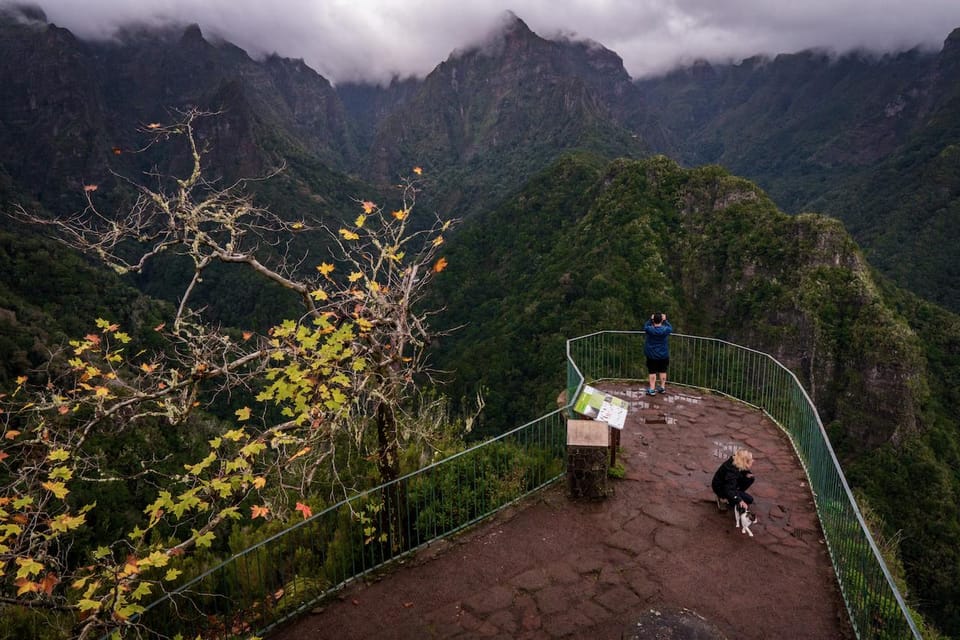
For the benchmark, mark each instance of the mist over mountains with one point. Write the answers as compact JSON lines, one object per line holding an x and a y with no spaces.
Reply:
{"x":588,"y":197}
{"x":817,"y":132}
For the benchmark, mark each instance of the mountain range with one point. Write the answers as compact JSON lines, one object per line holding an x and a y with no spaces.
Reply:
{"x":588,"y":199}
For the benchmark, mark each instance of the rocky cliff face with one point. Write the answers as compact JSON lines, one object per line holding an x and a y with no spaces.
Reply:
{"x":495,"y":113}
{"x":72,"y":109}
{"x":52,"y":126}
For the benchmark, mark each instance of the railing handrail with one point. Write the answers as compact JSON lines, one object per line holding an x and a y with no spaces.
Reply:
{"x":861,"y":522}
{"x":576,"y":379}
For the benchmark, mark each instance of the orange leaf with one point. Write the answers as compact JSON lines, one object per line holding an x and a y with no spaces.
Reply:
{"x":4,"y":455}
{"x":48,"y":583}
{"x":95,"y":339}
{"x":131,"y":567}
{"x":247,"y":335}
{"x":368,"y":206}
{"x":63,"y":410}
{"x":304,"y":509}
{"x":440,"y":265}
{"x":258,"y":512}
{"x":153,"y":125}
{"x":25,"y":586}
{"x":407,"y":605}
{"x":11,"y":434}
{"x":90,"y":187}
{"x":400,"y":214}
{"x":160,"y":326}
{"x":418,"y":170}
{"x":147,"y":368}
{"x":117,"y":151}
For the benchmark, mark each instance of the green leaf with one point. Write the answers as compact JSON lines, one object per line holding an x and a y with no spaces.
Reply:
{"x":86,"y":604}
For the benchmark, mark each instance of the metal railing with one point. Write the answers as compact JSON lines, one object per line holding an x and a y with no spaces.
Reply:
{"x":288,"y":573}
{"x":875,"y":606}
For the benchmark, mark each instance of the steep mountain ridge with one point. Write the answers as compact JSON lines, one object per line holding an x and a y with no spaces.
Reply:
{"x":711,"y":250}
{"x":492,"y":115}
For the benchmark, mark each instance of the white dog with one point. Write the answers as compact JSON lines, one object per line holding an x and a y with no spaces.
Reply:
{"x":744,"y":519}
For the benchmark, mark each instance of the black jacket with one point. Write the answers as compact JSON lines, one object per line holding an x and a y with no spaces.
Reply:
{"x":726,"y":481}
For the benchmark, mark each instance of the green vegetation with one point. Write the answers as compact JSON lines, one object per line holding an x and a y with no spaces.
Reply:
{"x":596,"y":247}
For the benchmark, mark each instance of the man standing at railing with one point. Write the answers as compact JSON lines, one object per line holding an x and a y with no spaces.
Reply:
{"x":657,"y":350}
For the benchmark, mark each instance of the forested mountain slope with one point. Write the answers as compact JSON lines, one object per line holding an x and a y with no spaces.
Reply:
{"x":589,"y":246}
{"x":869,"y":140}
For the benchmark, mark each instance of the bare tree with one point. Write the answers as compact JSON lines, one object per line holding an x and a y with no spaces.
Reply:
{"x":340,"y":374}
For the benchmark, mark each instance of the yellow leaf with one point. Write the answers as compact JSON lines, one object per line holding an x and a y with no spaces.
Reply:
{"x":21,"y":380}
{"x":356,"y":275}
{"x":438,"y":241}
{"x":319,"y":294}
{"x":101,"y":392}
{"x":155,"y":559}
{"x":172,"y":574}
{"x":400,"y":214}
{"x":325,"y":269}
{"x":296,"y":226}
{"x":28,"y":567}
{"x":349,"y":235}
{"x":56,"y":488}
{"x":243,"y":414}
{"x":368,"y":206}
{"x":359,"y":221}
{"x":235,"y":435}
{"x":58,"y":455}
{"x":259,"y":482}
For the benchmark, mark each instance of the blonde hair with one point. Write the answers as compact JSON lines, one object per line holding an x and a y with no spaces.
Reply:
{"x":742,"y":459}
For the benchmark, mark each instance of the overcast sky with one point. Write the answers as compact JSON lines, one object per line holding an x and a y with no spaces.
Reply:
{"x":375,"y":39}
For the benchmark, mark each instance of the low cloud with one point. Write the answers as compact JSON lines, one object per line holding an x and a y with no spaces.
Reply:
{"x":374,"y":40}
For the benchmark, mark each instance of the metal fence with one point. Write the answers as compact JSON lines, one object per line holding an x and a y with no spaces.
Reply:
{"x":265,"y":585}
{"x":876,"y":608}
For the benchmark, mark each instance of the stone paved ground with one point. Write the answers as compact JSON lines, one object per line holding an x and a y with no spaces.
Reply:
{"x":654,"y":560}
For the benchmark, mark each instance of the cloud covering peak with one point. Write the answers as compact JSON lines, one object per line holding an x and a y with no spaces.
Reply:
{"x":375,"y":40}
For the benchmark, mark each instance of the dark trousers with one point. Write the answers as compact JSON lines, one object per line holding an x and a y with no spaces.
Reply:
{"x":743,"y":484}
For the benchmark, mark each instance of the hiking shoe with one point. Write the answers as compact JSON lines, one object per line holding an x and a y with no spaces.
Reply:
{"x":661,"y":389}
{"x":651,"y":392}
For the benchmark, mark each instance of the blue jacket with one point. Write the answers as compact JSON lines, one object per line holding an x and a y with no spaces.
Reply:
{"x":656,"y":346}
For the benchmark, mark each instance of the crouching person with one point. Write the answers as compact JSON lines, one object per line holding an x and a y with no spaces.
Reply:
{"x":733,"y":478}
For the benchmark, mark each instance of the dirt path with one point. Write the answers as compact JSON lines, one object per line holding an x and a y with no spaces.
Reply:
{"x":655,"y":560}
